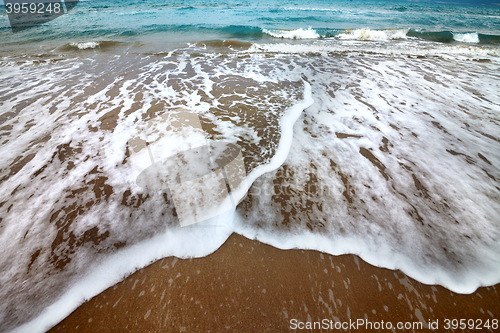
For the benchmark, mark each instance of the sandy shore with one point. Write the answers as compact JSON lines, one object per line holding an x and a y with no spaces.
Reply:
{"x":247,"y":286}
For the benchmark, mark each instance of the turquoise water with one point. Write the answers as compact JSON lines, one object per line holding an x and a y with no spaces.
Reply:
{"x":172,"y":21}
{"x":366,"y":127}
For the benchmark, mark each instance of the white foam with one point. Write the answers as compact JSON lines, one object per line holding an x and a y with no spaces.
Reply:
{"x":85,"y":45}
{"x":293,"y":34}
{"x":399,"y":91}
{"x":374,"y":35}
{"x":187,"y":242}
{"x":286,"y":125}
{"x":472,"y":37}
{"x":192,"y":241}
{"x":354,"y":46}
{"x":392,"y":100}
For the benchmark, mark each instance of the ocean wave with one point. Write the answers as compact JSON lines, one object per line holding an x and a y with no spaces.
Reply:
{"x":85,"y":45}
{"x":293,"y":34}
{"x":400,"y":8}
{"x":435,"y":36}
{"x":334,"y":10}
{"x":489,"y":39}
{"x":367,"y":34}
{"x":467,"y":38}
{"x":374,"y":35}
{"x":246,"y":96}
{"x":408,"y":48}
{"x":90,"y":45}
{"x":230,"y":44}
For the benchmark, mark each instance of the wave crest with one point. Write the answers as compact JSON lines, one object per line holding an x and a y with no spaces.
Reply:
{"x":467,"y":37}
{"x":90,"y":45}
{"x":374,"y":35}
{"x":293,"y":34}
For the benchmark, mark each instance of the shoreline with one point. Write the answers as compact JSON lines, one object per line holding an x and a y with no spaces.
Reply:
{"x":397,"y":160}
{"x":249,"y":286}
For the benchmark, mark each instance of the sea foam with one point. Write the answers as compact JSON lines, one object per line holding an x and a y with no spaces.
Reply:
{"x":363,"y":178}
{"x":365,"y":140}
{"x":309,"y":33}
{"x":466,"y":38}
{"x":374,"y":35}
{"x":354,"y":46}
{"x":85,"y":45}
{"x":197,"y":240}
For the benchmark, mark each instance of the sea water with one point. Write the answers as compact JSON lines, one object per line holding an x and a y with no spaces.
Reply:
{"x":366,"y":127}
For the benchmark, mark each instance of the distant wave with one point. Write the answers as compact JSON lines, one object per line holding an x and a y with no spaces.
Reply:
{"x":90,"y":45}
{"x":85,"y":45}
{"x":88,"y":39}
{"x":239,"y":38}
{"x":293,"y":34}
{"x":368,"y":34}
{"x":338,"y":46}
{"x":450,"y":37}
{"x":467,"y":38}
{"x":435,"y":36}
{"x":334,"y":10}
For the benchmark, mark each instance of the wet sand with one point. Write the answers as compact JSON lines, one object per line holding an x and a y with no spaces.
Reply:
{"x":248,"y":286}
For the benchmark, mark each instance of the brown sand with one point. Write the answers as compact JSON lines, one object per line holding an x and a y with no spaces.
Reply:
{"x":247,"y":286}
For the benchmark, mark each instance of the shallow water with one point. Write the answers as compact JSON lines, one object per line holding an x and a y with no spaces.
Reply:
{"x":383,"y":143}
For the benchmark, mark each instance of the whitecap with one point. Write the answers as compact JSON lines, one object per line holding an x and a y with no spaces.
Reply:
{"x":472,"y":37}
{"x":293,"y":34}
{"x":368,"y":34}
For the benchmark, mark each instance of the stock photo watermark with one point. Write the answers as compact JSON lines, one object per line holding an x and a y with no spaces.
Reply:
{"x":25,"y":14}
{"x":365,"y":324}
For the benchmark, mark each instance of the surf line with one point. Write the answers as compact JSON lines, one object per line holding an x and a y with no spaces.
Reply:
{"x":117,"y":266}
{"x":286,"y":124}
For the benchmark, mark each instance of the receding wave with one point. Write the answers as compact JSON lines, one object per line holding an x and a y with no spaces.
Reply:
{"x":231,"y":44}
{"x":89,"y":45}
{"x":372,"y":170}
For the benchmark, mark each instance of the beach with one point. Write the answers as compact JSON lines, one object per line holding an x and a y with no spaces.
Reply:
{"x":250,"y":166}
{"x":247,"y":286}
